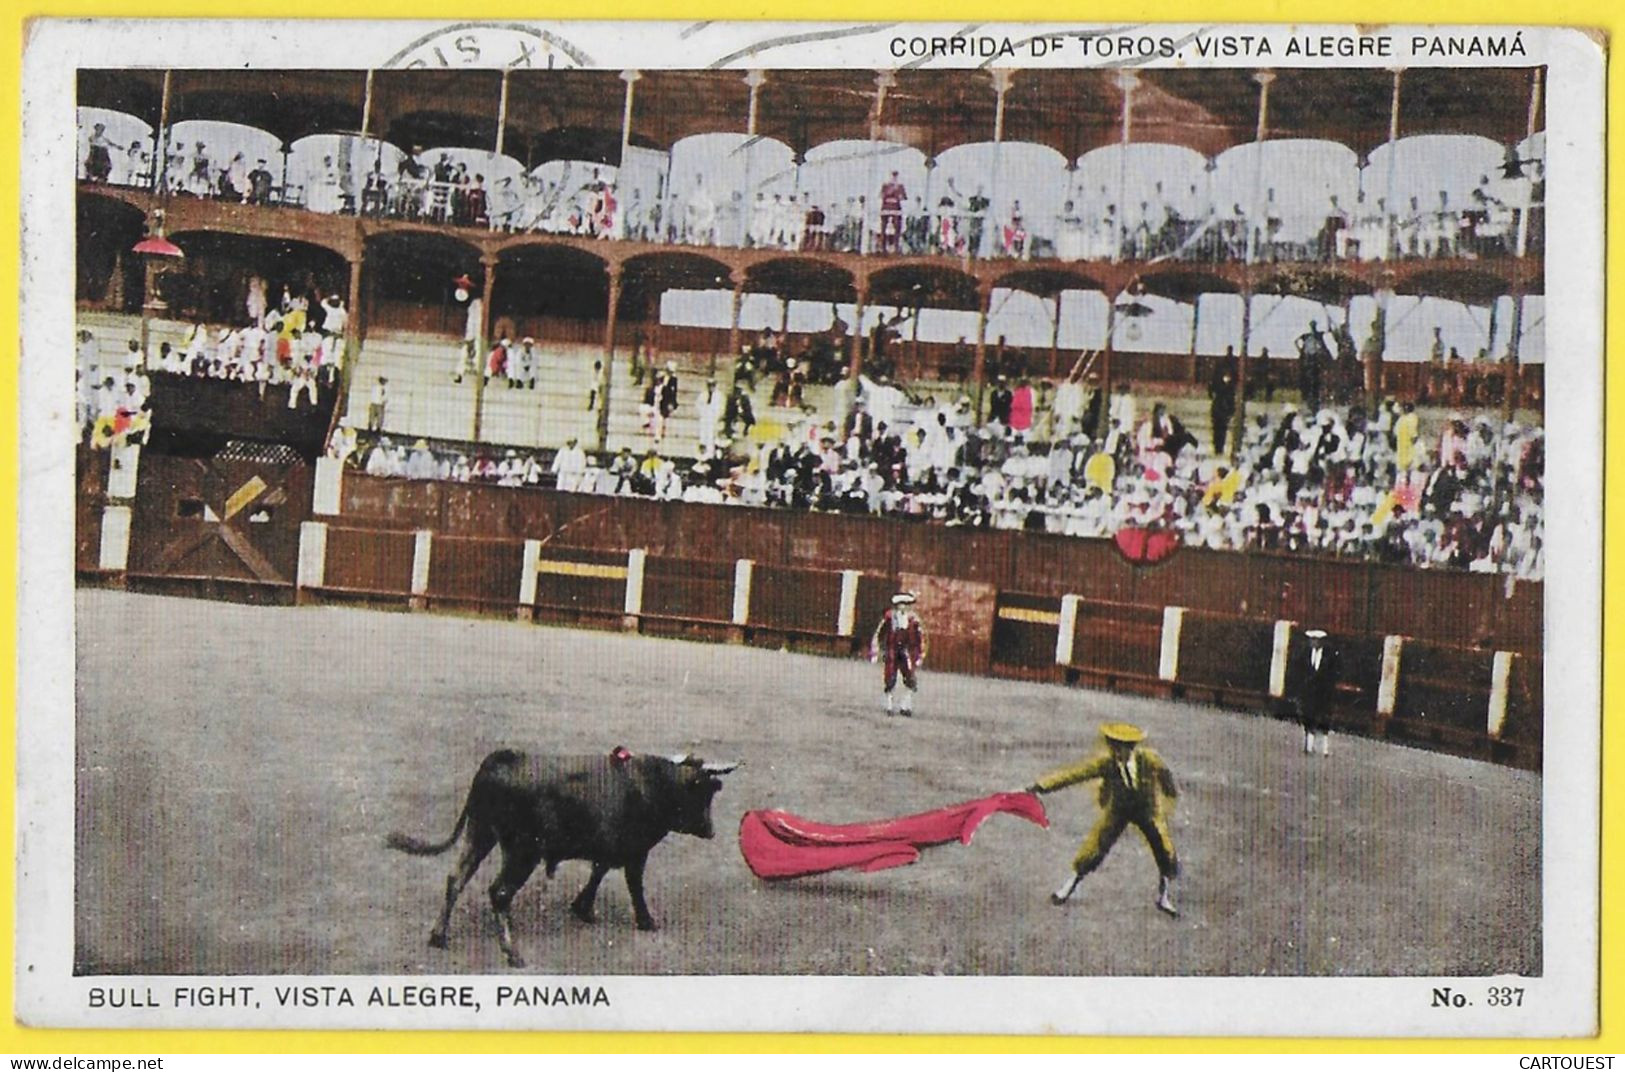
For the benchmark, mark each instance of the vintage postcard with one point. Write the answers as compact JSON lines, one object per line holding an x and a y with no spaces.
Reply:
{"x":1018,"y":529}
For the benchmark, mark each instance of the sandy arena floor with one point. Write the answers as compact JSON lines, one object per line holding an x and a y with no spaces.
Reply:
{"x":239,"y":767}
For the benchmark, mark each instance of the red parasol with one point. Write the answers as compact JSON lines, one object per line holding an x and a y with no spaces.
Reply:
{"x":158,"y":246}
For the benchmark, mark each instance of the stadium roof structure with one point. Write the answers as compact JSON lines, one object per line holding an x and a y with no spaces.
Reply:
{"x":576,"y":114}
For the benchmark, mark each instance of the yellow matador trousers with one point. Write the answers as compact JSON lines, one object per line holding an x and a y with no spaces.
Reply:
{"x":1113,"y":821}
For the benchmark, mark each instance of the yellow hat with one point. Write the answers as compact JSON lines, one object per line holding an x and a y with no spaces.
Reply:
{"x":1122,"y":733}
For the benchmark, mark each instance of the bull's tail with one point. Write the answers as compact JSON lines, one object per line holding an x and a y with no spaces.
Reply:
{"x":417,"y":847}
{"x":403,"y":843}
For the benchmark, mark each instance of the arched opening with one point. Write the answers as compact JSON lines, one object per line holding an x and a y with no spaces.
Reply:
{"x":553,"y":292}
{"x":801,"y":279}
{"x":599,"y":145}
{"x":915,"y":320}
{"x":215,"y":282}
{"x":108,"y":275}
{"x":410,"y":279}
{"x":677,"y":303}
{"x":1048,"y":282}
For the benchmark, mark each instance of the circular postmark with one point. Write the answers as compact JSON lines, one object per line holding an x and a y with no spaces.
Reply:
{"x":489,"y":45}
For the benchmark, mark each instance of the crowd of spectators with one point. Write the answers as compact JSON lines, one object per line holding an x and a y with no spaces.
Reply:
{"x":1339,"y":481}
{"x":110,"y":399}
{"x":1152,"y":223}
{"x":297,"y":342}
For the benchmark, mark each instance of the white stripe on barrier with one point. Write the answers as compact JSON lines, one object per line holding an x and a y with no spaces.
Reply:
{"x":123,"y":462}
{"x":1393,"y":649}
{"x":743,"y":570}
{"x":1500,"y":676}
{"x":1173,"y":621}
{"x":527,"y":572}
{"x":115,"y":552}
{"x":312,"y":555}
{"x":329,"y":486}
{"x":634,"y":581}
{"x":1279,"y":648}
{"x":846,"y":617}
{"x":421,"y":550}
{"x":1067,"y":633}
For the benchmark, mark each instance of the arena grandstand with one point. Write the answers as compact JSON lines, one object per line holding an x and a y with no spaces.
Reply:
{"x":1282,"y":327}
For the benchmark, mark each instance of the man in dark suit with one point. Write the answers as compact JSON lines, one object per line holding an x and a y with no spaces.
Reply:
{"x":1221,"y":393}
{"x":1314,"y":688}
{"x":861,"y":423}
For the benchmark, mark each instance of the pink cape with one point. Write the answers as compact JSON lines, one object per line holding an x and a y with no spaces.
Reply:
{"x":776,"y":844}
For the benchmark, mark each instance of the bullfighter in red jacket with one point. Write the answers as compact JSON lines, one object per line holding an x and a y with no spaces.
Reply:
{"x":900,"y":640}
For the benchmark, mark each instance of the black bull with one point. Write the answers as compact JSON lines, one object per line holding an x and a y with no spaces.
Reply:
{"x":610,"y":810}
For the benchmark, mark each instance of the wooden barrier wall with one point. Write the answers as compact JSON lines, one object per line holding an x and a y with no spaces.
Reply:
{"x":1448,"y":660}
{"x":1446,"y":607}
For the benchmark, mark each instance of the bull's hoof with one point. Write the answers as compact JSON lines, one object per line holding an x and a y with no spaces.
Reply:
{"x":647,"y":924}
{"x":583,"y":912}
{"x":515,"y":960}
{"x":437,"y":940}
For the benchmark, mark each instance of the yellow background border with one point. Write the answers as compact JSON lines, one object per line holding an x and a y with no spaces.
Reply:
{"x":1605,"y":15}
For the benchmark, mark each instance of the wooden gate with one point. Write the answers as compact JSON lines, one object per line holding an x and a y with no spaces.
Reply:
{"x":233,"y":518}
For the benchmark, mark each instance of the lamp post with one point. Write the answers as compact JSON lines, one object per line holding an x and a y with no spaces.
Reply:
{"x":155,"y":250}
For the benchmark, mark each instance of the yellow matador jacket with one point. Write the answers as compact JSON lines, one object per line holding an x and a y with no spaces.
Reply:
{"x":1147,"y":789}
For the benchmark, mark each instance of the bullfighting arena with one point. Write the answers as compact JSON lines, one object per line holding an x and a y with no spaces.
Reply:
{"x":239,"y":767}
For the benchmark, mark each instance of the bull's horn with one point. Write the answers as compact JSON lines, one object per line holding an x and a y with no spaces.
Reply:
{"x":719,"y":768}
{"x":680,"y":758}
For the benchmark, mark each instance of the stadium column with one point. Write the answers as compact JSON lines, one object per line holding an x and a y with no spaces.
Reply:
{"x":1376,"y":345}
{"x":1127,"y":81}
{"x":630,"y":77}
{"x":733,"y":321}
{"x":984,"y":304}
{"x":1529,"y":187}
{"x":366,"y":131}
{"x":1106,"y":351}
{"x":1240,"y":419}
{"x":884,"y":80}
{"x":753,"y":79}
{"x":482,"y":348}
{"x":1192,"y":366}
{"x":602,"y":436}
{"x":861,"y":292}
{"x":502,"y":111}
{"x":1054,"y":335}
{"x":1390,"y":228}
{"x":1510,"y":389}
{"x":287,"y":150}
{"x":1003,"y":77}
{"x":160,"y":155}
{"x":1264,"y":79}
{"x":352,"y":326}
